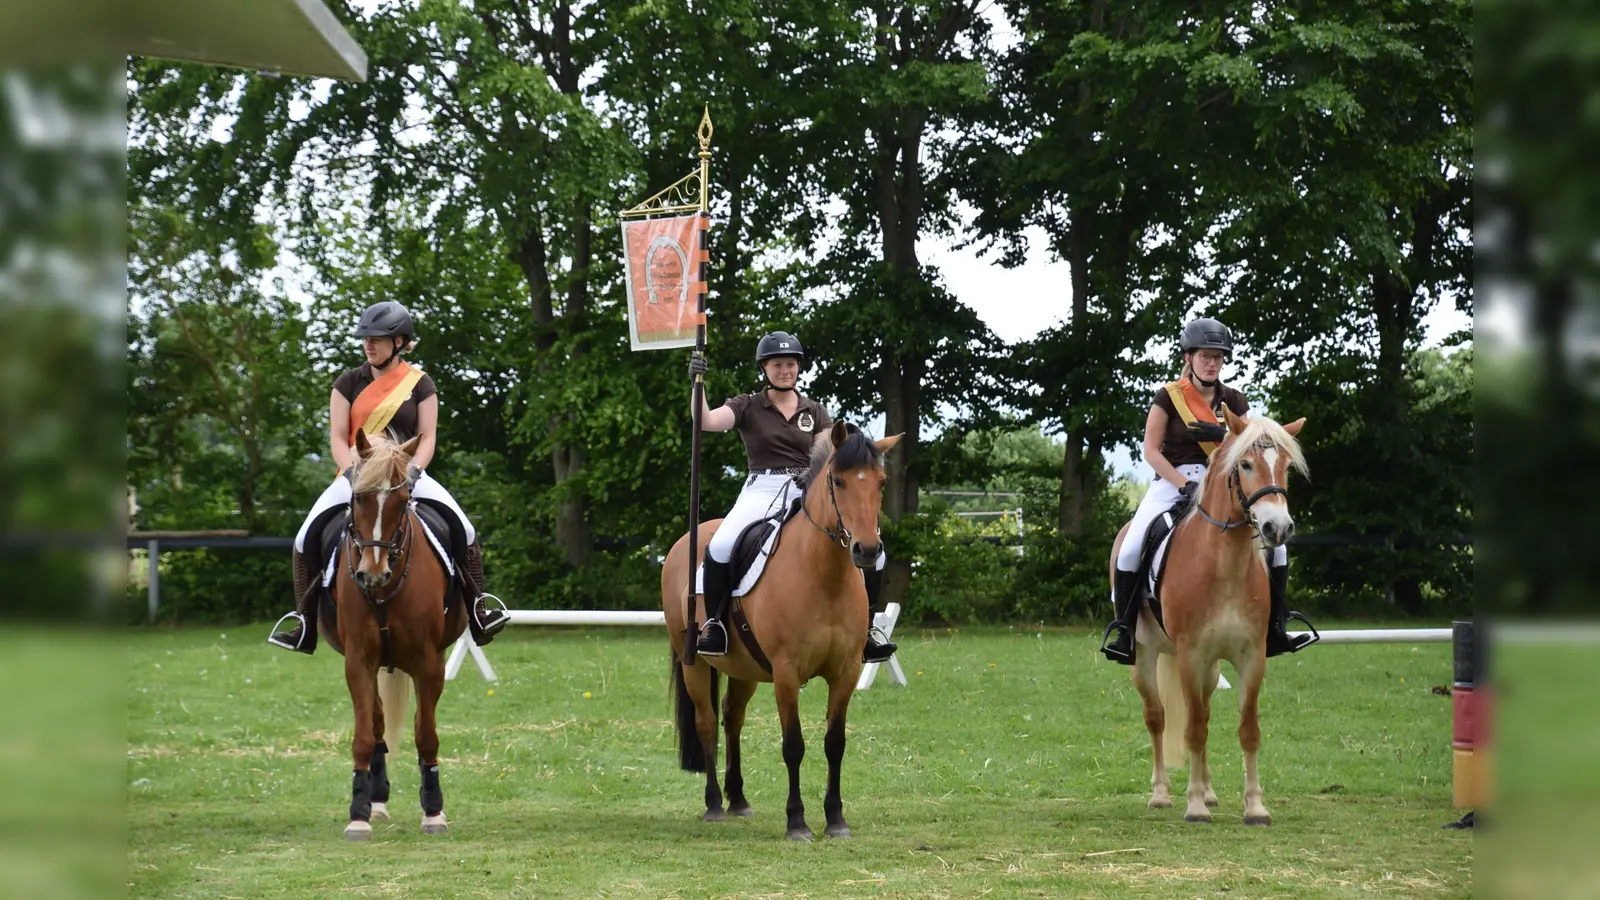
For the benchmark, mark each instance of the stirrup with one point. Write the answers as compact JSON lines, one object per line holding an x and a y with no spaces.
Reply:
{"x":705,"y":645}
{"x":1117,"y":654}
{"x":880,"y":650}
{"x":494,"y":625}
{"x":273,"y":637}
{"x":1298,"y":642}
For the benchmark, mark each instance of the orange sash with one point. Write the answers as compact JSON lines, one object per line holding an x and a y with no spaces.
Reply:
{"x":1192,"y":408}
{"x":377,"y":403}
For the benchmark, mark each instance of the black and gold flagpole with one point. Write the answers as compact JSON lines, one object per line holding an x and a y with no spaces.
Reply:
{"x":677,"y":200}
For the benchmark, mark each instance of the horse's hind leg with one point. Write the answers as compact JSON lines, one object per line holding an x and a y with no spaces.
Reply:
{"x":1251,"y":674}
{"x":363,"y":697}
{"x":733,"y":711}
{"x":839,"y":692}
{"x":786,"y":690}
{"x":1155,"y":717}
{"x":1192,"y":673}
{"x":429,"y":682}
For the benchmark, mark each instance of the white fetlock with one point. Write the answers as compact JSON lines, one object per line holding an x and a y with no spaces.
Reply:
{"x":358,"y":830}
{"x":434,"y":824}
{"x":380,"y":810}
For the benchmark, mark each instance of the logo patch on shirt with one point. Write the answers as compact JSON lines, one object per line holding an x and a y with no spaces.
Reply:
{"x":805,"y":422}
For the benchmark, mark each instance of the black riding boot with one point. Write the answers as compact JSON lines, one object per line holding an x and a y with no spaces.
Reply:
{"x":484,"y":622}
{"x":713,"y":639}
{"x":1279,"y":640}
{"x":879,"y":647}
{"x":1119,"y":648}
{"x":303,"y":636}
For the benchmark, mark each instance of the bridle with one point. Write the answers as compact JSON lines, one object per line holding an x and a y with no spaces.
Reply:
{"x":842,"y":536}
{"x":1236,"y":487}
{"x":397,"y":546}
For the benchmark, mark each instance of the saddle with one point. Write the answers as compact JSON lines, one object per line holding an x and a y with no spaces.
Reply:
{"x":1153,"y":555}
{"x":755,"y":545}
{"x":326,"y":544}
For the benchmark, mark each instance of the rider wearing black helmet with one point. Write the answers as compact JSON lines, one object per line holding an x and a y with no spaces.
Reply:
{"x":779,"y":427}
{"x":383,"y":395}
{"x":1178,"y":452}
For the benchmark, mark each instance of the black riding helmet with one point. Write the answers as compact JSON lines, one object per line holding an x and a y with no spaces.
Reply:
{"x":386,"y":319}
{"x":1206,"y":334}
{"x":779,"y":343}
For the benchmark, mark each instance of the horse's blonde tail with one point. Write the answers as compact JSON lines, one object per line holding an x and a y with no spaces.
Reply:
{"x":394,"y":692}
{"x":1176,"y":710}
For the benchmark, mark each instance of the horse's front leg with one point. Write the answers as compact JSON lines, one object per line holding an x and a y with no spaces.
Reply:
{"x":1251,"y":674}
{"x":429,"y":683}
{"x":786,"y":689}
{"x":363,"y":697}
{"x":734,"y":705}
{"x":380,"y":757}
{"x":839,"y":692}
{"x":1155,"y":719}
{"x":1192,"y":673}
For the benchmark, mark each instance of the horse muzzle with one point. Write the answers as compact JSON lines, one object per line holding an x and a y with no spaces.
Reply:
{"x":1277,"y":532}
{"x":371,"y":581}
{"x":863,"y":556}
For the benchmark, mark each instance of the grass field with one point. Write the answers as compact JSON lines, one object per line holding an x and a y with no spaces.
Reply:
{"x":1012,"y":766}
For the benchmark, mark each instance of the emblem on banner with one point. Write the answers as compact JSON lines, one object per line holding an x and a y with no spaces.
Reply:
{"x":805,"y":422}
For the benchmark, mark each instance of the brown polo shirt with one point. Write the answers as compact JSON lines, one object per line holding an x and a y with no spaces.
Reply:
{"x":772,"y":441}
{"x":1177,"y":445}
{"x":404,"y":424}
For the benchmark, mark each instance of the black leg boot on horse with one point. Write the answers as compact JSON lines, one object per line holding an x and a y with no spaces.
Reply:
{"x":1119,"y":647}
{"x":879,"y":647}
{"x":484,"y":622}
{"x":713,"y":639}
{"x":1279,"y":640}
{"x":303,"y":636}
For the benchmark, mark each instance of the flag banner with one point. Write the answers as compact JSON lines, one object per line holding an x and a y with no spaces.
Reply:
{"x":663,"y":257}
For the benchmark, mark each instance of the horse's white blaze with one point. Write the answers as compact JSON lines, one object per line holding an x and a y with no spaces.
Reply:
{"x":1270,"y":455}
{"x":377,"y":528}
{"x":861,"y":476}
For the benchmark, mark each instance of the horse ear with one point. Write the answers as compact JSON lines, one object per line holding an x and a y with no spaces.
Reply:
{"x":887,"y":444}
{"x":409,"y":448}
{"x":363,"y":446}
{"x":1294,"y":427}
{"x":1236,"y":424}
{"x":840,"y":432}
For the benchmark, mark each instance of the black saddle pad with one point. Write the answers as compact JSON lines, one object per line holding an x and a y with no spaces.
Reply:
{"x":748,"y":547}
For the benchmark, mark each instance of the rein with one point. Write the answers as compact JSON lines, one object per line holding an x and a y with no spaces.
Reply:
{"x":398,"y":545}
{"x":842,"y":537}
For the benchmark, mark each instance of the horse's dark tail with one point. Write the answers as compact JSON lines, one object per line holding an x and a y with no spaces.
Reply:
{"x":691,"y":753}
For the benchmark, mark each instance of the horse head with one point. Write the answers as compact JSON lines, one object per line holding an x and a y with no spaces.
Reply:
{"x":1255,"y":460}
{"x":381,"y":491}
{"x":852,"y":465}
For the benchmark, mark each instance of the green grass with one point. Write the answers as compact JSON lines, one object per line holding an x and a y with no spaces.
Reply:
{"x":1011,"y":758}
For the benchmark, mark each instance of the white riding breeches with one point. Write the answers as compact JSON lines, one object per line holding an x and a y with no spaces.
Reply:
{"x":338,"y":494}
{"x":1157,"y":500}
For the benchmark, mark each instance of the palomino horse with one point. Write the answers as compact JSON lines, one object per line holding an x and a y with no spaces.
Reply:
{"x":389,"y":593}
{"x":1215,"y":602}
{"x":808,"y":614}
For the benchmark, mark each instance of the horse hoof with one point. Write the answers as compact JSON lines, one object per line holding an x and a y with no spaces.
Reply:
{"x":800,"y":834}
{"x":1202,"y":818}
{"x":839,"y":831}
{"x":1261,"y":819}
{"x":380,"y":810}
{"x":435,"y":824}
{"x":1212,"y":802}
{"x":715,"y":815}
{"x":743,"y":812}
{"x":358,"y":831}
{"x":1160,"y":803}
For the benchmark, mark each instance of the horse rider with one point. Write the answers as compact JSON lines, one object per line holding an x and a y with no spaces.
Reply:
{"x":385,"y":394}
{"x":779,"y":426}
{"x":1178,"y":450}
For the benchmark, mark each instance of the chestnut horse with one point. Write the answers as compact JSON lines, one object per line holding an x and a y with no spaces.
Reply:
{"x":808,"y":614}
{"x":1215,"y":603}
{"x":389,"y":594}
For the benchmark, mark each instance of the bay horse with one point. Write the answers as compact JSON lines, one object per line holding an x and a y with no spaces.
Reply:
{"x":808,"y":614}
{"x":1216,"y":605}
{"x":389,"y":601}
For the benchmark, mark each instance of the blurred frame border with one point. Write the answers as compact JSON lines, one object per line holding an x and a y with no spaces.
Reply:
{"x":64,"y":501}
